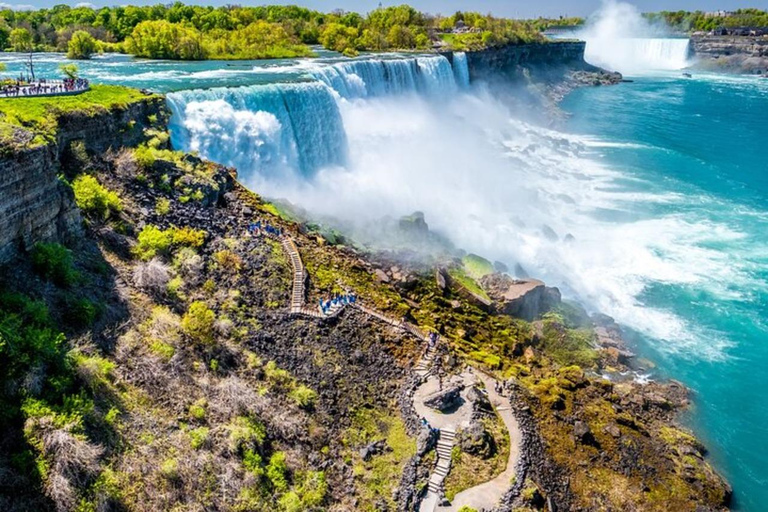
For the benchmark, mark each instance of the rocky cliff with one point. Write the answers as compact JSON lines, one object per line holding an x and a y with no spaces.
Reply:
{"x":537,"y":74}
{"x":541,"y":59}
{"x":35,"y":205}
{"x":735,"y":54}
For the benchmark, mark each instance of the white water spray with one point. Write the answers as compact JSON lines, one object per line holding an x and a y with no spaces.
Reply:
{"x":620,"y":39}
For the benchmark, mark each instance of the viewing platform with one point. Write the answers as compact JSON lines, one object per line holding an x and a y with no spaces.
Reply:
{"x":42,"y":88}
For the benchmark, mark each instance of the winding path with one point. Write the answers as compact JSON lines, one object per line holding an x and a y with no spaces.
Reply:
{"x":485,"y":496}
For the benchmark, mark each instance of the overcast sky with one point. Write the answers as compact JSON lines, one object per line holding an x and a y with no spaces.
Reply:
{"x":512,"y":8}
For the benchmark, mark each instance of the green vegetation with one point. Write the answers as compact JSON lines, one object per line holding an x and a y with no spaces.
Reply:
{"x":468,"y":470}
{"x":53,"y":262}
{"x":93,"y":198}
{"x":379,"y":475}
{"x":154,"y":241}
{"x":198,"y":323}
{"x":81,"y":46}
{"x":178,"y":31}
{"x":686,"y":21}
{"x":69,"y":70}
{"x":41,"y":114}
{"x":567,"y":346}
{"x":460,"y":276}
{"x":476,"y":267}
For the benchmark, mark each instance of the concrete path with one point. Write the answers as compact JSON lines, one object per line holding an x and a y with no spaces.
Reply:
{"x":486,"y":496}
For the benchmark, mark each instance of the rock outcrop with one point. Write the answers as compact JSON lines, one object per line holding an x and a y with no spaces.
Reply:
{"x":520,"y":298}
{"x":35,"y":205}
{"x":734,"y":54}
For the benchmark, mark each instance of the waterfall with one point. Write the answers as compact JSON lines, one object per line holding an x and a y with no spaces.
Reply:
{"x":461,"y":69}
{"x":270,"y":129}
{"x":367,"y":78}
{"x":637,"y":55}
{"x":285,"y":128}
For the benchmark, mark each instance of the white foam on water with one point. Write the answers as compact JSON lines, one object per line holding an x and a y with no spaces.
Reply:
{"x":493,"y":184}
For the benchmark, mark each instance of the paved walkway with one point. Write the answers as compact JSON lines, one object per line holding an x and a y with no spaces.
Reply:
{"x":486,"y":496}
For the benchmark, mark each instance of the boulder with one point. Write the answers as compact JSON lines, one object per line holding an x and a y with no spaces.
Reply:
{"x":381,"y":276}
{"x":582,"y":432}
{"x":520,"y":298}
{"x":447,"y":398}
{"x":374,"y":448}
{"x":479,"y":400}
{"x":475,"y":440}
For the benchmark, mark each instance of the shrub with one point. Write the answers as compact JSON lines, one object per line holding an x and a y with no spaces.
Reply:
{"x":152,"y":241}
{"x":253,"y":462}
{"x":245,"y":433}
{"x":152,"y":277}
{"x":187,"y":237}
{"x":276,"y":376}
{"x":81,"y":312}
{"x":144,"y":157}
{"x":198,"y":322}
{"x":303,"y":396}
{"x":199,"y":437}
{"x":163,"y":206}
{"x":170,"y":469}
{"x":197,"y":410}
{"x":228,"y":260}
{"x":277,"y":471}
{"x":53,"y":262}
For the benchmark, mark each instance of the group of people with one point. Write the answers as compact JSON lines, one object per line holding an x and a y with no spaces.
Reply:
{"x":336,"y":300}
{"x":44,"y":87}
{"x":502,"y":387}
{"x":256,"y":228}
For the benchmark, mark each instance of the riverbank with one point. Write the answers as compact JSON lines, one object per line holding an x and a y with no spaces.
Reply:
{"x":731,"y":54}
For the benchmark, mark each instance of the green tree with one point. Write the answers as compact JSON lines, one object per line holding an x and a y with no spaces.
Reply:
{"x":69,"y":70}
{"x":21,"y":40}
{"x":81,"y":46}
{"x":164,"y":40}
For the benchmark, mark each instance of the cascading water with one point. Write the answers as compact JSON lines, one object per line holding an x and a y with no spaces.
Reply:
{"x":270,"y":129}
{"x":461,"y":69}
{"x":296,"y":128}
{"x":638,"y":55}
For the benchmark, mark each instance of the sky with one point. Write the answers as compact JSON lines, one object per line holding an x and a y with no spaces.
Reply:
{"x":509,"y":8}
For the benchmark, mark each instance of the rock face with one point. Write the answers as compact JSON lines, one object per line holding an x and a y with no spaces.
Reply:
{"x":735,"y":54}
{"x":35,"y":205}
{"x":521,"y":298}
{"x":513,"y":59}
{"x":445,"y":399}
{"x":475,"y":440}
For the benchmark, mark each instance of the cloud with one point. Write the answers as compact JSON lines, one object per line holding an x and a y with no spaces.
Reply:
{"x":17,"y":7}
{"x":86,"y":4}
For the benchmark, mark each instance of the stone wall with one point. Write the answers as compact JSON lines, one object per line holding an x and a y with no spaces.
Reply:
{"x":35,"y":206}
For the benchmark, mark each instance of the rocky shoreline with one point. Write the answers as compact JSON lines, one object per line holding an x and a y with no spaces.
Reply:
{"x":731,"y":54}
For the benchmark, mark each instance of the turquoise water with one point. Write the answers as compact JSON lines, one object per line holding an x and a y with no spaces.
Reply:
{"x":705,"y":140}
{"x":662,"y":185}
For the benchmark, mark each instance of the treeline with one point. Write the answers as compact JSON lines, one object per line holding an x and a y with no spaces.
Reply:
{"x":686,"y":21}
{"x":178,"y":31}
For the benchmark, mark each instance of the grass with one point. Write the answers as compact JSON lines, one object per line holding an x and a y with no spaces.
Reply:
{"x":468,"y":470}
{"x":460,"y":276}
{"x":476,"y":266}
{"x":380,"y":475}
{"x":40,"y":115}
